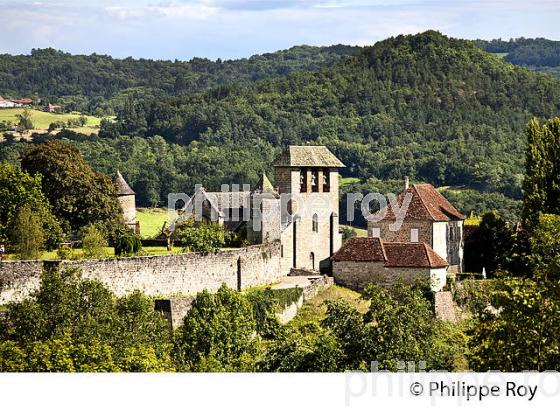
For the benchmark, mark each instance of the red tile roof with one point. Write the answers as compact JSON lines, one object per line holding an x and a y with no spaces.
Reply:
{"x":392,"y":254}
{"x":426,"y":203}
{"x":361,"y":250}
{"x":412,"y":255}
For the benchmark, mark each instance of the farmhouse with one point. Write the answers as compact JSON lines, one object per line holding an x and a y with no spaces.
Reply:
{"x":362,"y":261}
{"x":7,"y":103}
{"x":429,"y":218}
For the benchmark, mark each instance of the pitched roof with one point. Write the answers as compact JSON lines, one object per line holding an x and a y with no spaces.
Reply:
{"x":361,"y":250}
{"x":264,"y":185}
{"x":412,"y":255}
{"x":392,"y":254}
{"x":308,"y":156}
{"x":426,"y":203}
{"x":122,"y":186}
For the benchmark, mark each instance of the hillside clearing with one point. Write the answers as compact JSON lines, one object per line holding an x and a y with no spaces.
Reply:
{"x":315,"y":310}
{"x":41,"y":120}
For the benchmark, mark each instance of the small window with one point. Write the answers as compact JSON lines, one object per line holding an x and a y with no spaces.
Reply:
{"x":315,"y":224}
{"x":376,"y":232}
{"x":414,"y":235}
{"x":281,"y":251}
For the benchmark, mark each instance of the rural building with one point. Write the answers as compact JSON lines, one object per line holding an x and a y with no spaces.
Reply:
{"x":127,"y":201}
{"x":7,"y":103}
{"x":430,"y":218}
{"x":23,"y":101}
{"x":363,"y":261}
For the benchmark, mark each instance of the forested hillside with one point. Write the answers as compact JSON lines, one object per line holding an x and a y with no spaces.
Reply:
{"x":539,"y":53}
{"x":98,"y":83}
{"x":437,"y":109}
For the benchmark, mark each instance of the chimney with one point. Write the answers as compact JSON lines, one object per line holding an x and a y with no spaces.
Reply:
{"x":406,"y":183}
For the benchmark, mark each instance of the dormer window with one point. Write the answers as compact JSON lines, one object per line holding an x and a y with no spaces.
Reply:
{"x":414,"y":233}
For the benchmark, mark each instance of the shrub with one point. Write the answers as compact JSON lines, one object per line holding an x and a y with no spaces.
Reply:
{"x":28,"y":234}
{"x":205,"y":238}
{"x":94,"y":243}
{"x":127,"y":244}
{"x":65,"y":253}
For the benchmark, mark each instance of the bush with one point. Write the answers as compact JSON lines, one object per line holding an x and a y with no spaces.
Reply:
{"x":94,"y":243}
{"x":65,"y":253}
{"x":205,"y":238}
{"x":28,"y":234}
{"x":127,"y":244}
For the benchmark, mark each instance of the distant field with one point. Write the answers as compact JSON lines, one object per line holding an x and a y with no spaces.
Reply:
{"x":151,"y":221}
{"x":348,"y":180}
{"x":501,"y":55}
{"x":42,"y":120}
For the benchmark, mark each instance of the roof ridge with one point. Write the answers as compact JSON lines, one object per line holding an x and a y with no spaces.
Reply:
{"x":427,"y":253}
{"x":422,"y":200}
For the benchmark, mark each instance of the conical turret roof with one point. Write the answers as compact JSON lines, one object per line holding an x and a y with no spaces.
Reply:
{"x":122,"y":186}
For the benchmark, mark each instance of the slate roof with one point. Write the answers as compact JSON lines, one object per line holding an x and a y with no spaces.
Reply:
{"x":122,"y":186}
{"x":392,"y":254}
{"x":427,"y":203}
{"x":308,"y":156}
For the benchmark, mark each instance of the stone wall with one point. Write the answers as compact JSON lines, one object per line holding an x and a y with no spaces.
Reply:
{"x":166,"y":275}
{"x":357,"y":275}
{"x":403,"y":233}
{"x":446,"y":309}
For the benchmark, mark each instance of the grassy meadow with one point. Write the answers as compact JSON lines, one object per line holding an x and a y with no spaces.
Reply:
{"x":42,"y":120}
{"x":151,"y":221}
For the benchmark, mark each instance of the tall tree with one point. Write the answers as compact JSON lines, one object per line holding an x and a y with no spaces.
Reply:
{"x":28,"y":234}
{"x":18,"y":189}
{"x":542,"y":171}
{"x":78,"y":195}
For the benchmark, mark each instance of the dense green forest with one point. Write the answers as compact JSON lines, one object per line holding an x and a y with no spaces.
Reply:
{"x":437,"y":109}
{"x":539,"y":53}
{"x":99,"y":83}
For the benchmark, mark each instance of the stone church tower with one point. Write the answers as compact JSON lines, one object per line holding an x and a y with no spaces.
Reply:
{"x":306,"y":178}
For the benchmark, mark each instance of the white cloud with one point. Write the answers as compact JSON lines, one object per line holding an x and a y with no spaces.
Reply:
{"x":237,"y":28}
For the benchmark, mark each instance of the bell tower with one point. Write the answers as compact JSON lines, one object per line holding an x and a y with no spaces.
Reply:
{"x":308,"y":182}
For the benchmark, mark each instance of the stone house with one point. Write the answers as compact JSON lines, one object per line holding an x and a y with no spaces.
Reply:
{"x":429,"y":218}
{"x":363,"y":261}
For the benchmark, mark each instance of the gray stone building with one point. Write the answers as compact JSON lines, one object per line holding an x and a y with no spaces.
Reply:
{"x":300,"y":209}
{"x":429,"y":218}
{"x":363,"y":261}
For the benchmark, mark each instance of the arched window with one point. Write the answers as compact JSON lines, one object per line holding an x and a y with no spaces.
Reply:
{"x":315,"y":225}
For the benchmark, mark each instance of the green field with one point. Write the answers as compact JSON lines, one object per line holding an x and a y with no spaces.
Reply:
{"x":348,"y":180}
{"x":42,"y":120}
{"x":151,"y":221}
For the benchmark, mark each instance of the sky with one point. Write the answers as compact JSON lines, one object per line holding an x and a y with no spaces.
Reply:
{"x":182,"y":29}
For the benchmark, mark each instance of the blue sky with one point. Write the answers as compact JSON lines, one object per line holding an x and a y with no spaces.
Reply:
{"x":182,"y":29}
